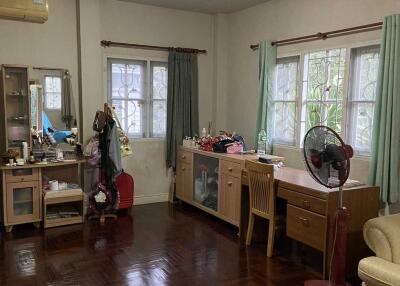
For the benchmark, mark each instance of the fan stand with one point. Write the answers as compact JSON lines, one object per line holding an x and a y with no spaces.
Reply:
{"x":337,"y":273}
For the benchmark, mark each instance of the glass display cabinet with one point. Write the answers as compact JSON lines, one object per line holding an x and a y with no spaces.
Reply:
{"x":205,"y":181}
{"x":15,"y":107}
{"x":22,"y":196}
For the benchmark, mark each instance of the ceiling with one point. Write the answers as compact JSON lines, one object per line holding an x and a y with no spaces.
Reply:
{"x":204,"y":6}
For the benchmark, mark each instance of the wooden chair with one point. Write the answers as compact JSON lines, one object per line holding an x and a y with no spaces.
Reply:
{"x":262,"y":199}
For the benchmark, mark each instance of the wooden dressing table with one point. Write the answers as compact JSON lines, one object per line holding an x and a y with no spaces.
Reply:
{"x":21,"y":189}
{"x":310,"y":207}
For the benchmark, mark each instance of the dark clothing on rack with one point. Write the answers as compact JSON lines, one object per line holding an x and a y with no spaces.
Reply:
{"x":110,"y":156}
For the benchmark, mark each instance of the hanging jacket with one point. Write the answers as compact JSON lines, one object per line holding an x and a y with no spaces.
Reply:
{"x":114,"y":151}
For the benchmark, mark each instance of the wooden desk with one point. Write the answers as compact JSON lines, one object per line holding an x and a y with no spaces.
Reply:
{"x":310,"y":207}
{"x":310,"y":215}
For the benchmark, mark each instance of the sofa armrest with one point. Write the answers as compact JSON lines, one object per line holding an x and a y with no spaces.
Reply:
{"x":375,"y":271}
{"x":382,"y":235}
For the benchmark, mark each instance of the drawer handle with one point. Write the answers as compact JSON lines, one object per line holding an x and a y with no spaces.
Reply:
{"x":230,"y":169}
{"x":229,"y":183}
{"x":305,"y":221}
{"x":183,"y":157}
{"x":306,"y":204}
{"x":183,"y":169}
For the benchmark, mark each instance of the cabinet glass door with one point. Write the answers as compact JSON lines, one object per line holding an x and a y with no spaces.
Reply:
{"x":23,"y":204}
{"x":205,"y":181}
{"x":23,"y":201}
{"x":17,"y":106}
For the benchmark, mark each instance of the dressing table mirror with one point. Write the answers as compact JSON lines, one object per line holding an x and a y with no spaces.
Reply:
{"x":36,"y":101}
{"x":52,"y":103}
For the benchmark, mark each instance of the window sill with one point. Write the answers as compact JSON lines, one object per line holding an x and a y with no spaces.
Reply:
{"x":363,"y":157}
{"x":287,"y":146}
{"x":132,"y":140}
{"x":356,"y":156}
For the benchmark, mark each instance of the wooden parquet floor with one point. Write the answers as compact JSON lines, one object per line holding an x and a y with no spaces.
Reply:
{"x":157,"y":244}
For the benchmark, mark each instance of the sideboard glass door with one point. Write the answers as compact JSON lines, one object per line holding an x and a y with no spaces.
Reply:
{"x":205,"y":181}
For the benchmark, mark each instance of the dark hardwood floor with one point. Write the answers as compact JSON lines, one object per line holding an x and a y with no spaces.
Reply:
{"x":157,"y":244}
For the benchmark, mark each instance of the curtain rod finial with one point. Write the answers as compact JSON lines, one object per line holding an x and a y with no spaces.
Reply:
{"x":254,"y":47}
{"x":104,"y":43}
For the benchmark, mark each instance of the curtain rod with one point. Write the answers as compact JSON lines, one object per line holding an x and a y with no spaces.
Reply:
{"x":326,"y":35}
{"x":106,"y":44}
{"x":49,"y":69}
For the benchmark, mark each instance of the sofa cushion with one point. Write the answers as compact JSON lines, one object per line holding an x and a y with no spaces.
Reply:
{"x":375,"y":271}
{"x":382,"y":235}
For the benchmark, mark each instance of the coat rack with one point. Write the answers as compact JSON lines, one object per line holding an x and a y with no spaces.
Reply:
{"x":103,"y":216}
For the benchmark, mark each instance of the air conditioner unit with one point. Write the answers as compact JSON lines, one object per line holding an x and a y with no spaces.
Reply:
{"x":25,"y":10}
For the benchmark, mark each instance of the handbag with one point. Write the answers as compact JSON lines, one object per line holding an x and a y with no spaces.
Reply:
{"x":125,"y":147}
{"x":100,"y":120}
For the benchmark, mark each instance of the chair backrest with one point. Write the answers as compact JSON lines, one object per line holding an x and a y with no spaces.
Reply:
{"x":261,"y":188}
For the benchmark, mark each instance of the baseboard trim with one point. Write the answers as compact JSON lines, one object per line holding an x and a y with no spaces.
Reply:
{"x":150,"y":199}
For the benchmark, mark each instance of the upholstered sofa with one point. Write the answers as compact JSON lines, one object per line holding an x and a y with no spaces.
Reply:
{"x":382,"y":235}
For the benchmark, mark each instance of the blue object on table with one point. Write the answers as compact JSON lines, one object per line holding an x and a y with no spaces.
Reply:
{"x":58,"y":135}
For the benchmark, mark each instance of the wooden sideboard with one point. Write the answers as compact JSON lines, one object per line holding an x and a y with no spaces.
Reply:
{"x":226,"y":174}
{"x":310,"y":207}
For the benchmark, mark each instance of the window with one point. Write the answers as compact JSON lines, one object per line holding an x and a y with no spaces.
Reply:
{"x":363,"y":78}
{"x":52,"y":92}
{"x":138,"y":92}
{"x":159,"y":84}
{"x":337,"y":89}
{"x":323,"y":83}
{"x":284,"y":101}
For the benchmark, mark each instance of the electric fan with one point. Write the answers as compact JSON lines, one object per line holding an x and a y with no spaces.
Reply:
{"x":327,"y":159}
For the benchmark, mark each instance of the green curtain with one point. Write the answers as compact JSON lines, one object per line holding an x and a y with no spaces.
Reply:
{"x":182,"y":101}
{"x":267,"y":62}
{"x":385,"y":168}
{"x":67,"y":104}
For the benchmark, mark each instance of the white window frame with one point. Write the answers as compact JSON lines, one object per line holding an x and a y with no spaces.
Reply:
{"x":305,"y":101}
{"x":46,"y":93}
{"x":300,"y":128}
{"x":351,"y":103}
{"x":152,"y":99}
{"x":280,"y":141}
{"x":147,"y":88}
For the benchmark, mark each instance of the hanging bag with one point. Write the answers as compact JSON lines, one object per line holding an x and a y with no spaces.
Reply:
{"x":99,"y":121}
{"x":125,"y":147}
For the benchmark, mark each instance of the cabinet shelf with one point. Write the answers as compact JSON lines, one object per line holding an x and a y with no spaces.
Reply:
{"x":20,"y":202}
{"x":18,"y":118}
{"x":15,"y":96}
{"x":53,"y":222}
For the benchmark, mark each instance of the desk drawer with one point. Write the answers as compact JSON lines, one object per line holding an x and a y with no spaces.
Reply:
{"x":303,"y":201}
{"x":22,"y":175}
{"x":231,"y":168}
{"x":185,"y":156}
{"x":306,"y":227}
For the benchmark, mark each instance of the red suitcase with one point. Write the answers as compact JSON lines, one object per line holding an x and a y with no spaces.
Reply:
{"x":125,"y":186}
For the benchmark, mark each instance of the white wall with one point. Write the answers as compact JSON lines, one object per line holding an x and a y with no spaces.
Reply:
{"x":133,"y":23}
{"x":52,"y":44}
{"x":228,"y":74}
{"x":281,"y":19}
